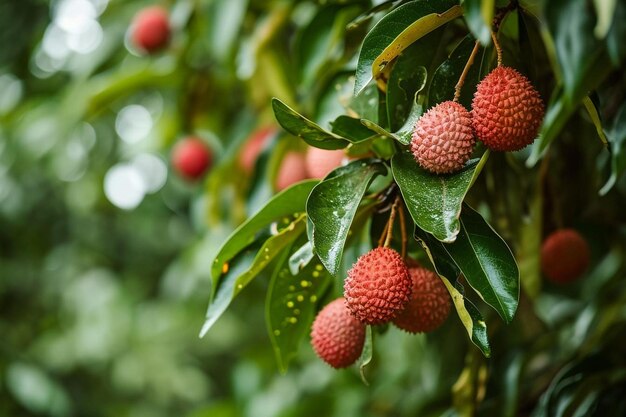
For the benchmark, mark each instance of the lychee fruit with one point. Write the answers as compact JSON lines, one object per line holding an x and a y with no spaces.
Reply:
{"x":443,"y":138}
{"x":151,"y":29}
{"x":191,"y":158}
{"x":254,"y":146}
{"x":565,"y":256}
{"x":292,"y":170}
{"x":337,"y":337}
{"x":429,"y":305}
{"x":378,"y":286}
{"x":319,"y":162}
{"x":507,"y":110}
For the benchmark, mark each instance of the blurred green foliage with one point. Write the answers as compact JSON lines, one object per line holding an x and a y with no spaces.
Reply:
{"x":103,"y":287}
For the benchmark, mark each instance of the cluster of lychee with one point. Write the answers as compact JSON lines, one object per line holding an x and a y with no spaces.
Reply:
{"x":506,"y":114}
{"x":380,"y":288}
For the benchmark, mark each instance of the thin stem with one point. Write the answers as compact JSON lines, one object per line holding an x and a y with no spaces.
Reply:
{"x":470,"y":61}
{"x":383,"y":235}
{"x":402,"y":228}
{"x":392,"y":218}
{"x":498,"y":48}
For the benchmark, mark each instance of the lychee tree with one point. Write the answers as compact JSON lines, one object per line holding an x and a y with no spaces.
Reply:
{"x":454,"y":119}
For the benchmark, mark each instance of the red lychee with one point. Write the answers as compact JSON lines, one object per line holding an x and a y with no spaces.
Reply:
{"x":319,"y":162}
{"x":443,"y":138}
{"x":378,"y":286}
{"x":337,"y":337}
{"x":151,"y":29}
{"x":191,"y":157}
{"x":291,"y":170}
{"x":254,"y":146}
{"x":507,"y":110}
{"x":565,"y":256}
{"x":429,"y":305}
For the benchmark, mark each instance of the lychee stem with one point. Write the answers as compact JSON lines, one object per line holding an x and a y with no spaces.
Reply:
{"x":497,"y":46}
{"x":402,"y":228}
{"x":392,"y":218}
{"x":470,"y":61}
{"x":383,"y":235}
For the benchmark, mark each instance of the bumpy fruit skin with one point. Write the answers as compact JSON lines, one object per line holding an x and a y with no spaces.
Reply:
{"x":151,"y":29}
{"x":507,"y":110}
{"x":337,"y":337}
{"x":291,"y":170}
{"x":254,"y":146}
{"x":319,"y":162}
{"x":191,"y":158}
{"x":443,"y":138}
{"x":378,"y":286}
{"x":429,"y":306}
{"x":565,"y":256}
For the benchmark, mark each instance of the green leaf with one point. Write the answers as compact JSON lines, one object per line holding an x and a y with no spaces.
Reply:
{"x":396,"y":31}
{"x":582,"y":57}
{"x":400,"y":94}
{"x":232,"y":284}
{"x":409,"y":75}
{"x":618,"y":149}
{"x":487,"y":263}
{"x":595,"y":119}
{"x":291,"y":305}
{"x":434,"y":201}
{"x":332,"y":205}
{"x":284,"y":204}
{"x":448,"y":74}
{"x":298,"y":125}
{"x":479,"y":15}
{"x":351,"y":128}
{"x":447,"y":270}
{"x":367,"y":354}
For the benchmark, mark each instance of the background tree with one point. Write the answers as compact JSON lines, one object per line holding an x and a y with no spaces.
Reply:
{"x":110,"y":250}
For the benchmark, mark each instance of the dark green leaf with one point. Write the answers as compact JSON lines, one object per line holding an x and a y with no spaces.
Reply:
{"x":332,"y":205}
{"x":351,"y":128}
{"x":396,"y":31}
{"x":479,"y":15}
{"x":487,"y":263}
{"x":407,"y":77}
{"x":298,"y":125}
{"x":581,"y":56}
{"x":434,"y":201}
{"x":447,"y":270}
{"x":291,"y":305}
{"x":448,"y":74}
{"x":618,"y":149}
{"x":284,"y":204}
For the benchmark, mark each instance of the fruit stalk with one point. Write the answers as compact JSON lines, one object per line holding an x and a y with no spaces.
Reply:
{"x":468,"y":64}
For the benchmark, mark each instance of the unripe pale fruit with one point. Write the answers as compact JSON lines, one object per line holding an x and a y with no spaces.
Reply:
{"x":191,"y":158}
{"x":507,"y":110}
{"x":254,"y":146}
{"x":319,"y":162}
{"x":565,"y":256}
{"x":151,"y":29}
{"x":337,"y":337}
{"x":292,"y":170}
{"x":378,"y":286}
{"x":429,"y":305}
{"x":443,"y":138}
